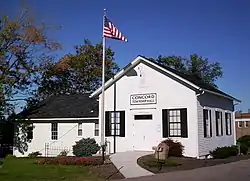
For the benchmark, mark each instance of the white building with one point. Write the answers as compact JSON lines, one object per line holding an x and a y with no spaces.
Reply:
{"x":151,"y":102}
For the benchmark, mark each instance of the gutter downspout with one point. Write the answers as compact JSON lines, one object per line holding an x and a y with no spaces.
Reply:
{"x":197,"y":141}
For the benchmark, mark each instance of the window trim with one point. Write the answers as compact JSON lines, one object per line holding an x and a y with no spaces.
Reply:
{"x":209,"y":112}
{"x":51,"y":131}
{"x":226,"y":123}
{"x":96,"y":129}
{"x":169,"y":123}
{"x":80,"y":123}
{"x":239,"y":124}
{"x":217,"y":123}
{"x":246,"y":124}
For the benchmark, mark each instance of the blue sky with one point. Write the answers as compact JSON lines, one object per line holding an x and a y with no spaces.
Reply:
{"x":217,"y":29}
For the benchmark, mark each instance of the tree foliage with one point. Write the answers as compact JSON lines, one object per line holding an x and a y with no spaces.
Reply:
{"x":196,"y":66}
{"x":23,"y":46}
{"x":80,"y":72}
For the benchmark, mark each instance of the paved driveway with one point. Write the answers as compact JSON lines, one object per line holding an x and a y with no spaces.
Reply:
{"x":236,"y":171}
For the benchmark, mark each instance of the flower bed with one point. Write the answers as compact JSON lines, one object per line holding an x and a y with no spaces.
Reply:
{"x":70,"y":160}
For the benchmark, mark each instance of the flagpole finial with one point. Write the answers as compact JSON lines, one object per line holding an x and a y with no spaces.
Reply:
{"x":105,"y":12}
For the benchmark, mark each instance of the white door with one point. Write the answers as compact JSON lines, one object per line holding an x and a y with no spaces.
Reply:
{"x":142,"y":138}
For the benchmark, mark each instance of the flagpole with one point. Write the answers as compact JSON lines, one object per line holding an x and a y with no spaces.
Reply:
{"x":103,"y":96}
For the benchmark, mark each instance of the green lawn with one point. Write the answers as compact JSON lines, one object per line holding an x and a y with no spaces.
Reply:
{"x":16,"y":169}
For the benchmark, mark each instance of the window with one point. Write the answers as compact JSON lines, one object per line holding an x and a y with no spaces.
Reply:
{"x":143,"y":117}
{"x":240,"y":123}
{"x":247,"y":124}
{"x":219,"y":125}
{"x":79,"y":129}
{"x":96,"y":129}
{"x":54,"y":131}
{"x":174,"y":123}
{"x":115,"y":123}
{"x":207,"y":123}
{"x":228,"y":123}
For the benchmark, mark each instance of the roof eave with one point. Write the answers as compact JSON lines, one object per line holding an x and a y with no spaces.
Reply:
{"x":218,"y":94}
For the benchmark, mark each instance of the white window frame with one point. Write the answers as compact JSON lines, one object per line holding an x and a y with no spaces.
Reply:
{"x":229,"y":123}
{"x":80,"y":129}
{"x":220,"y":123}
{"x":174,"y":123}
{"x":54,"y":133}
{"x":208,"y":127}
{"x":96,"y":129}
{"x":245,"y":125}
{"x":115,"y":124}
{"x":239,"y":124}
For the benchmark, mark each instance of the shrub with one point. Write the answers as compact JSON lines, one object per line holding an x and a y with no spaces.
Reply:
{"x":175,"y":148}
{"x":244,"y":140}
{"x":84,"y":161}
{"x":63,"y":153}
{"x":244,"y":149}
{"x":9,"y":156}
{"x":224,"y":152}
{"x":85,"y":147}
{"x":34,"y":154}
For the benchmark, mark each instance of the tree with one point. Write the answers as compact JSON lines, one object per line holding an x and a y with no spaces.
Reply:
{"x":76,"y":73}
{"x":23,"y":46}
{"x":194,"y":66}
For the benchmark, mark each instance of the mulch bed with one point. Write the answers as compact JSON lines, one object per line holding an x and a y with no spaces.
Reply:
{"x":184,"y":163}
{"x":107,"y":171}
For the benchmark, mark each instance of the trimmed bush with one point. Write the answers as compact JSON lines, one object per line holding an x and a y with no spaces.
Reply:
{"x":85,"y":147}
{"x":224,"y":152}
{"x":244,"y":149}
{"x":175,"y":147}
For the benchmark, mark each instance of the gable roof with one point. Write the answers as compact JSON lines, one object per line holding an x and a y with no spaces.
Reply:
{"x":64,"y":106}
{"x":192,"y":81}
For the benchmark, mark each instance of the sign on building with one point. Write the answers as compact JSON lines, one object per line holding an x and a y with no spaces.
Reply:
{"x":139,"y":99}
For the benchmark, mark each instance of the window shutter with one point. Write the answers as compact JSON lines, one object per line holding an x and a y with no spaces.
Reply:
{"x":107,"y":124}
{"x":165,"y":123}
{"x":217,"y":126}
{"x":184,"y":127}
{"x":122,"y":123}
{"x":230,"y":123}
{"x":205,"y":116}
{"x":210,"y":116}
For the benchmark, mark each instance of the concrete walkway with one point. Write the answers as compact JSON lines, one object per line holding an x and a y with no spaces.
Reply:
{"x":234,"y":171}
{"x":128,"y":162}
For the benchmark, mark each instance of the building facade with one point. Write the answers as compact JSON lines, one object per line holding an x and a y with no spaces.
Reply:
{"x":242,"y":124}
{"x":146,"y":103}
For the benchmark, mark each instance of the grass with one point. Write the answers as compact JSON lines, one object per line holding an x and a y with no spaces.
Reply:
{"x":26,"y":170}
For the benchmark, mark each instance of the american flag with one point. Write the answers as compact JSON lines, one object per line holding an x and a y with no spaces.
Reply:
{"x":110,"y":31}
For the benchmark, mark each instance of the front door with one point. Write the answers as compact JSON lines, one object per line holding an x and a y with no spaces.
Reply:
{"x":142,"y":138}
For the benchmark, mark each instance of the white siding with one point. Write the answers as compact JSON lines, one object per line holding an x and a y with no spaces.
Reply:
{"x":170,"y":94}
{"x":67,"y":136}
{"x":214,"y":103}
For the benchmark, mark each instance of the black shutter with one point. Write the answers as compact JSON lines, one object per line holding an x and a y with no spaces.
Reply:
{"x":165,"y":122}
{"x":184,"y":126}
{"x":122,"y":123}
{"x":221,"y":121}
{"x":217,"y":126}
{"x":205,"y":116}
{"x":107,"y":124}
{"x":211,"y":133}
{"x":226,"y":117}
